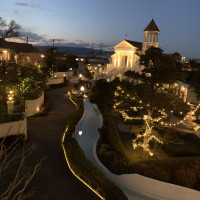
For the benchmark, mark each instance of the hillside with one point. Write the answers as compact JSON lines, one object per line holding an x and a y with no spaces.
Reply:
{"x":76,"y":50}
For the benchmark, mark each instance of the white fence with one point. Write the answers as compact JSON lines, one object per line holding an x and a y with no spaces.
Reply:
{"x":14,"y":128}
{"x":32,"y":106}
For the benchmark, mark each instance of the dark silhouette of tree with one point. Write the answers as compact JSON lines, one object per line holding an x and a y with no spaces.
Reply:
{"x":102,"y":94}
{"x":8,"y":30}
{"x":196,"y":83}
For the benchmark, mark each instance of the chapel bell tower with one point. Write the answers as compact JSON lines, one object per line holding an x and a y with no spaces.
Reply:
{"x":150,"y":36}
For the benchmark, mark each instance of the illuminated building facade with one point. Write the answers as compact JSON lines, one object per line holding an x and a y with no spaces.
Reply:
{"x":127,"y":53}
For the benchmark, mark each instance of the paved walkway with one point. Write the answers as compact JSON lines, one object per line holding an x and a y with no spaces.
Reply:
{"x":54,"y":181}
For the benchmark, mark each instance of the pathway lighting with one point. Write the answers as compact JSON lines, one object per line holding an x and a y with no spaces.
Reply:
{"x":80,"y":132}
{"x":82,"y":88}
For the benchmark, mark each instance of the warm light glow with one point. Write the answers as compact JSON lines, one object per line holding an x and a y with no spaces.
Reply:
{"x":70,"y":69}
{"x":5,"y":51}
{"x":80,"y":75}
{"x":82,"y":88}
{"x":80,"y":132}
{"x":10,"y":98}
{"x":11,"y":92}
{"x":37,"y":109}
{"x":73,"y":172}
{"x":42,"y":56}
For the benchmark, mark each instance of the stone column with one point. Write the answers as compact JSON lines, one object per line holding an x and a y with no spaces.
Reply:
{"x":10,"y":105}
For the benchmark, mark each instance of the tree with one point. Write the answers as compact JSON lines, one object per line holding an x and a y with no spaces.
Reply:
{"x":8,"y":30}
{"x":88,"y":74}
{"x":194,"y":65}
{"x":71,"y":62}
{"x":159,"y":71}
{"x":196,"y":83}
{"x":133,"y":76}
{"x":102,"y":94}
{"x":13,"y":158}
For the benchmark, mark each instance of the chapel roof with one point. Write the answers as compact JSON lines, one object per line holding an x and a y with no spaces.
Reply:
{"x":18,"y":47}
{"x":152,"y":26}
{"x":135,"y":44}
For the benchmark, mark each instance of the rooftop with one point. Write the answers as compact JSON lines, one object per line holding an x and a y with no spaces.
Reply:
{"x":18,"y":47}
{"x":152,"y":26}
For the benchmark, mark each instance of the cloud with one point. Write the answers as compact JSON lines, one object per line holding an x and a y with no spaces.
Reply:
{"x":32,"y":37}
{"x":42,"y":40}
{"x":21,"y":4}
{"x":32,"y":5}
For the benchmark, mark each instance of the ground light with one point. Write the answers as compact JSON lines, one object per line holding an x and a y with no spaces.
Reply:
{"x":73,"y":172}
{"x":82,"y":88}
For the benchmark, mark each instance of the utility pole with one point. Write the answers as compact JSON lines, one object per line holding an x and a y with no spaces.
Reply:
{"x":92,"y":50}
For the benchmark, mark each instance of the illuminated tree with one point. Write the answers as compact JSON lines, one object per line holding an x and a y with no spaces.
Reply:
{"x":156,"y":92}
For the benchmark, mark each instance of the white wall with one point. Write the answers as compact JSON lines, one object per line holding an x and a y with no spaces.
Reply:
{"x":55,"y":81}
{"x":157,"y":189}
{"x":32,"y":105}
{"x":14,"y":128}
{"x":60,"y":74}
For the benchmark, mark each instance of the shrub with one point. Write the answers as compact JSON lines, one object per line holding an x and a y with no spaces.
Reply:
{"x":110,"y":149}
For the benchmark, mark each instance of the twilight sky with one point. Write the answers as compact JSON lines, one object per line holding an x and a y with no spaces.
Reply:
{"x":81,"y":22}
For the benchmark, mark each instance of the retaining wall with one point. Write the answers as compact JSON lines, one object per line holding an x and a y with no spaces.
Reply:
{"x":14,"y":128}
{"x":32,"y":106}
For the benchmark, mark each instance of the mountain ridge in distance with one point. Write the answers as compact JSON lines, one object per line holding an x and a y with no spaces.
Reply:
{"x":81,"y":51}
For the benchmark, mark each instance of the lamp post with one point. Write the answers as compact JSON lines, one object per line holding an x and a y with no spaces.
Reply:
{"x":10,"y":102}
{"x":82,"y":89}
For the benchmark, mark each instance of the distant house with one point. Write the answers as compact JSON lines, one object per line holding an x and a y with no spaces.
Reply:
{"x":94,"y":64}
{"x":21,"y":53}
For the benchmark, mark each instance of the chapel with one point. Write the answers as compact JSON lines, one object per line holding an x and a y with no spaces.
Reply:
{"x":128,"y":52}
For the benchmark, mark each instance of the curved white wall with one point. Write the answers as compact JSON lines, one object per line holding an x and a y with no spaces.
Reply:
{"x":31,"y":106}
{"x":14,"y":128}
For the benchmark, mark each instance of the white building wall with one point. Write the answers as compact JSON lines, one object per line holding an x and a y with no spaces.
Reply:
{"x":31,"y":106}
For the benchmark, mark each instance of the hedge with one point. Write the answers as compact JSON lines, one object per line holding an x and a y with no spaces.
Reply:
{"x":110,"y":148}
{"x":83,"y":168}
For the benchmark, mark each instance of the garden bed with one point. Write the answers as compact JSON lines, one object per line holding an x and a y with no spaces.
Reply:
{"x":82,"y":167}
{"x":177,"y":161}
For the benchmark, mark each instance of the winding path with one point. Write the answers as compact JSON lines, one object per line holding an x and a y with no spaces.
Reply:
{"x":54,"y":181}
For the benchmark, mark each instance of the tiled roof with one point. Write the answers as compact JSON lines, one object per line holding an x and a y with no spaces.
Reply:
{"x":135,"y":44}
{"x":18,"y":47}
{"x":152,"y":26}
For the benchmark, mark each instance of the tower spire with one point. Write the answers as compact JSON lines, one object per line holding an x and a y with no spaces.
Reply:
{"x":150,"y":36}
